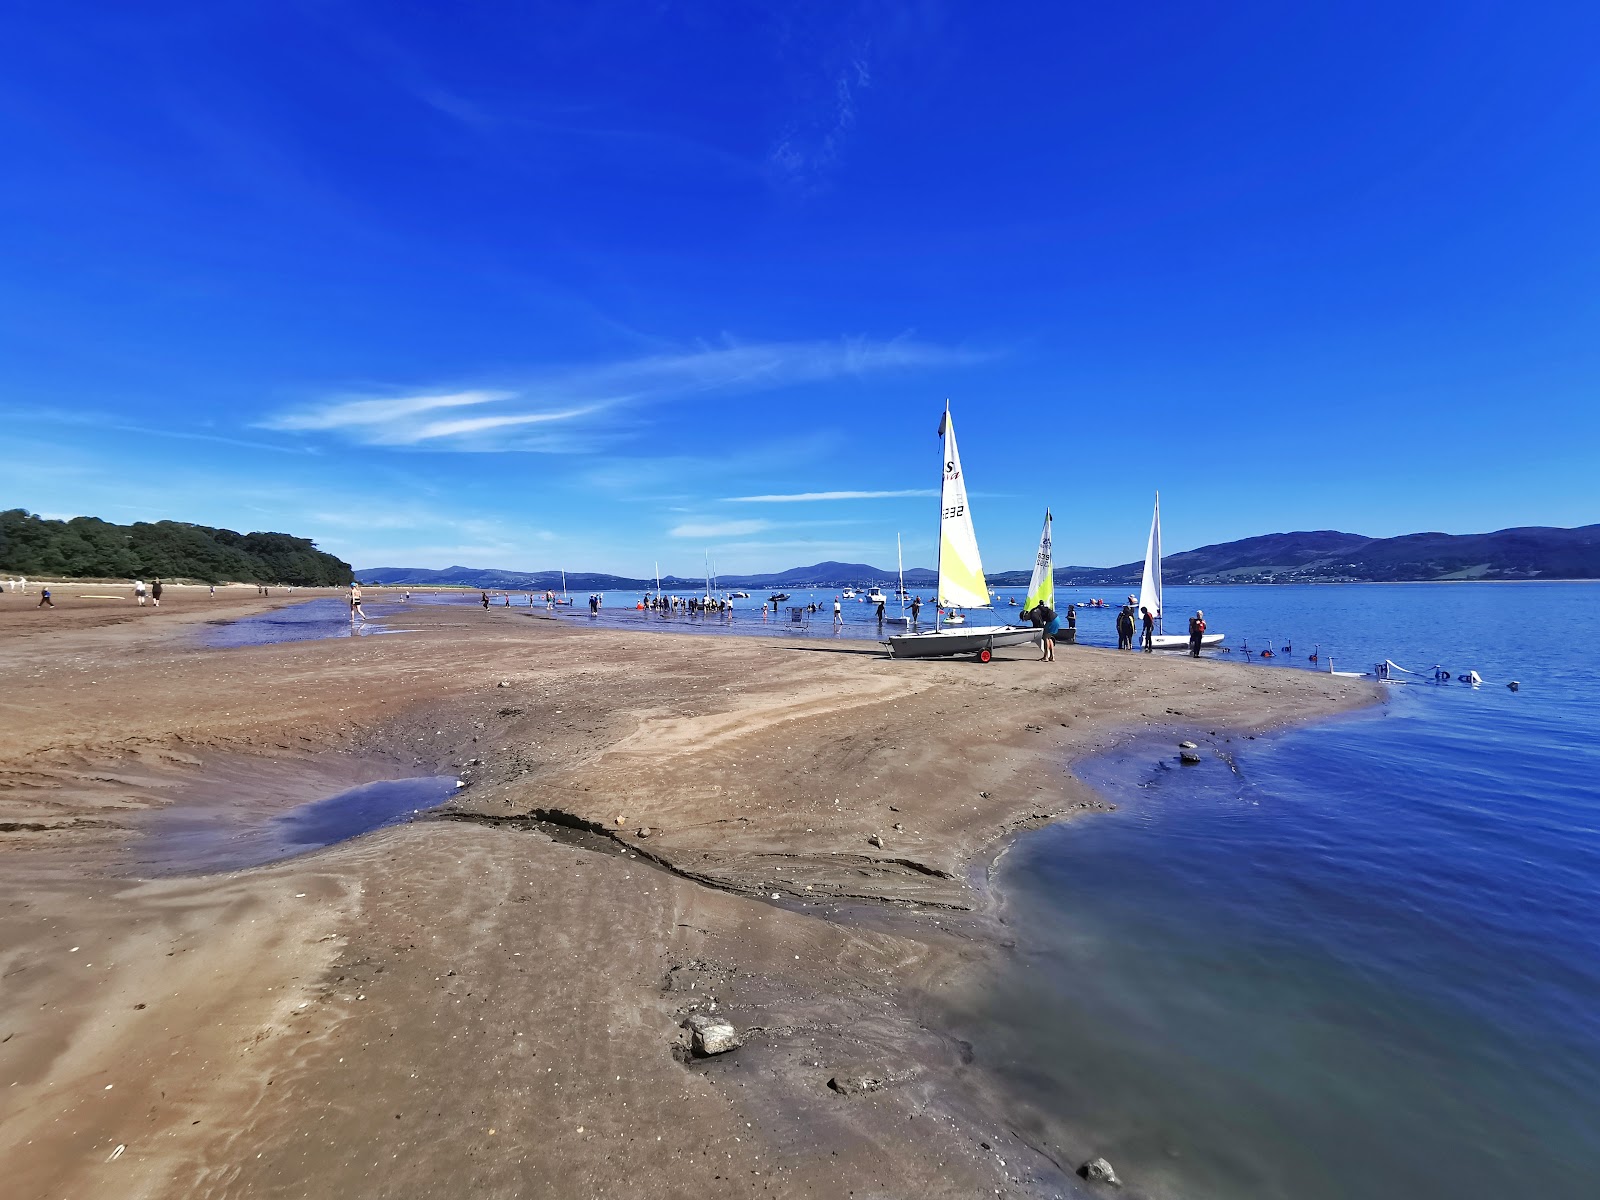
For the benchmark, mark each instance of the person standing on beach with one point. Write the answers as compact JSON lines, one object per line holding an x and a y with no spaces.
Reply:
{"x":44,"y":599}
{"x":880,"y":612}
{"x":155,"y":593}
{"x":485,"y":598}
{"x":838,"y":612}
{"x":1149,"y":630}
{"x":138,"y":591}
{"x":1197,"y":631}
{"x":1072,"y":623}
{"x":1043,"y":617}
{"x":213,"y":589}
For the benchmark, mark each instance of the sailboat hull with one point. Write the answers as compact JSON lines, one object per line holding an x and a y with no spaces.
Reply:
{"x":1173,"y":641}
{"x":941,"y":643}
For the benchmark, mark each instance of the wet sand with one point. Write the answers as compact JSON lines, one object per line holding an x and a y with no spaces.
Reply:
{"x":488,"y":1001}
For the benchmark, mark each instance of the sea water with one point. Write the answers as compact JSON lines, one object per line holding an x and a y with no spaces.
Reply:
{"x":1360,"y":958}
{"x":224,"y":835}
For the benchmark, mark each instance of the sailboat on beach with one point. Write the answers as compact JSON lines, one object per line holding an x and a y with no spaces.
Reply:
{"x":961,"y":581}
{"x":1150,"y":593}
{"x":1042,"y":585}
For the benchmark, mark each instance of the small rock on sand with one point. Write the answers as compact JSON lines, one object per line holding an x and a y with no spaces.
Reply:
{"x":876,"y":840}
{"x":644,"y":831}
{"x":1098,"y":1170}
{"x":854,"y":1080}
{"x":1187,"y":746}
{"x":1189,"y":756}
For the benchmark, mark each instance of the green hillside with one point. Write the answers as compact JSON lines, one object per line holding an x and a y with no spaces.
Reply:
{"x":88,"y":548}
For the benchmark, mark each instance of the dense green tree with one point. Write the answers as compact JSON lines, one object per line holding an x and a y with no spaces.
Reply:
{"x":87,"y":547}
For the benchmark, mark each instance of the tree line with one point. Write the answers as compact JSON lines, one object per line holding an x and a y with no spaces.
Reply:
{"x":87,"y":547}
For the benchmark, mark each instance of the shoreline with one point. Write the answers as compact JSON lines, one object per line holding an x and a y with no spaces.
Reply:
{"x":758,"y":766}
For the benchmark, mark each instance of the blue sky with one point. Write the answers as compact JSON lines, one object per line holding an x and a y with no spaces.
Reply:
{"x":600,"y":285}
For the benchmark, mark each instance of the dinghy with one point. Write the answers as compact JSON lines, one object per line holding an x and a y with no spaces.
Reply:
{"x":1150,"y":596}
{"x":900,"y":565}
{"x":961,"y":581}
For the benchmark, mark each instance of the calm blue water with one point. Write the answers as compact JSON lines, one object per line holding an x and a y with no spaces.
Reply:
{"x":325,"y":617}
{"x":1367,"y":963}
{"x":222,"y":836}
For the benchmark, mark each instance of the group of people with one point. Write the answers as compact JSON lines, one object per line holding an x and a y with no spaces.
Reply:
{"x":139,"y":592}
{"x":1143,"y":627}
{"x":1129,"y":626}
{"x":657,"y":602}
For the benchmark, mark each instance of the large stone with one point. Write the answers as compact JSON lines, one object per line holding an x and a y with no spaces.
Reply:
{"x":711,"y":1035}
{"x":1098,"y":1170}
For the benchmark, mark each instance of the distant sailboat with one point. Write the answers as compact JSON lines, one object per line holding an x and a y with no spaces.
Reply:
{"x":900,"y":564}
{"x":1150,"y":593}
{"x":961,"y":581}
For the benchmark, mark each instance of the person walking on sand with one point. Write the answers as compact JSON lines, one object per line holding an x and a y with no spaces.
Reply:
{"x":1149,"y":642}
{"x":485,"y":598}
{"x":138,"y":591}
{"x":356,"y":610}
{"x":44,"y":599}
{"x":1197,"y":631}
{"x":155,"y":593}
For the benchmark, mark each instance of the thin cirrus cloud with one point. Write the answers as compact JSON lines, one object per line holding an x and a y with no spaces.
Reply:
{"x":717,"y":529}
{"x":803,"y":497}
{"x":549,"y":411}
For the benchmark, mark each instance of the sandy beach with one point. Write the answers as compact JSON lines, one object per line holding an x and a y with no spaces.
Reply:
{"x":489,"y":1001}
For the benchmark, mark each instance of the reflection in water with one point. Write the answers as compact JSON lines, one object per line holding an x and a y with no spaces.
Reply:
{"x":325,"y":617}
{"x":226,"y":836}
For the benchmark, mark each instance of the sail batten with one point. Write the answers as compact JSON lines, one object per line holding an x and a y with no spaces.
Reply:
{"x":1150,"y":586}
{"x":1042,"y":586}
{"x":961,"y":581}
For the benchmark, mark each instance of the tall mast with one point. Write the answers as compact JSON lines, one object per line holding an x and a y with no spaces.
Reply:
{"x":938,"y":532}
{"x":900,"y":564}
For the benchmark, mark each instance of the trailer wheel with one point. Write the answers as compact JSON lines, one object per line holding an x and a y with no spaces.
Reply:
{"x":985,"y":654}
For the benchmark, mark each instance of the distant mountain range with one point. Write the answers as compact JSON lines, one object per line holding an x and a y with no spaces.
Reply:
{"x":1319,"y":556}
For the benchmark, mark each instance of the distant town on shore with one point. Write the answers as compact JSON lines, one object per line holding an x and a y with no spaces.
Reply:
{"x":1322,"y":556}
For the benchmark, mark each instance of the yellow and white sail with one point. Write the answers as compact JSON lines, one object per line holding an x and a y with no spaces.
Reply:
{"x":961,"y":582}
{"x":1042,"y":587}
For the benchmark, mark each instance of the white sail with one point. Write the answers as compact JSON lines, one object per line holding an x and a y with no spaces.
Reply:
{"x":1042,"y":587}
{"x":1150,"y":587}
{"x":961,"y":582}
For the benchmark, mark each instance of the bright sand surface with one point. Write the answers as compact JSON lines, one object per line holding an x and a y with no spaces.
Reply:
{"x":492,"y":1006}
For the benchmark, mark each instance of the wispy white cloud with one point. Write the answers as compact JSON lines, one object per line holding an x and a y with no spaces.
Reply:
{"x":801,"y":497}
{"x":717,"y":529}
{"x":106,"y":422}
{"x":548,"y":411}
